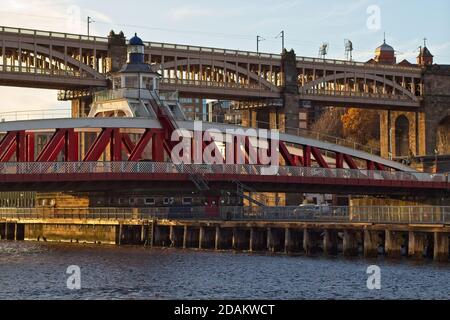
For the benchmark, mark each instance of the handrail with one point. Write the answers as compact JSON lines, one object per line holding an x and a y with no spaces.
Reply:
{"x":357,"y":64}
{"x":435,"y":215}
{"x":42,"y":33}
{"x":65,"y":168}
{"x":35,"y":115}
{"x":198,"y":49}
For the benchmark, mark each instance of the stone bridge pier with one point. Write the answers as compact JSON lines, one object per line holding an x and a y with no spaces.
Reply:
{"x":422,"y":136}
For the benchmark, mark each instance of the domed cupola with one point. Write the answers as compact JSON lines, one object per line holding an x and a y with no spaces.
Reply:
{"x":385,"y":54}
{"x":136,"y":50}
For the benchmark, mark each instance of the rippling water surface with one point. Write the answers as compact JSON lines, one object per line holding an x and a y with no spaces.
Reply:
{"x":38,"y":271}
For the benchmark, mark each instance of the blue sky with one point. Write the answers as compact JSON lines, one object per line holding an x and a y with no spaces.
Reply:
{"x":235,"y":24}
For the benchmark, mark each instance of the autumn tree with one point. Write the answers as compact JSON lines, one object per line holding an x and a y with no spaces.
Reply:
{"x":362,"y":126}
{"x":358,"y":125}
{"x":330,"y":122}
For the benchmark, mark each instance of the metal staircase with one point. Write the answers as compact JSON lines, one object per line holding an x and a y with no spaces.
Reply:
{"x":242,"y":189}
{"x":199,"y":181}
{"x":167,"y":118}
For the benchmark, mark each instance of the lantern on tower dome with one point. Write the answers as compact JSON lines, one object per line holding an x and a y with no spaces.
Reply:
{"x":136,"y":50}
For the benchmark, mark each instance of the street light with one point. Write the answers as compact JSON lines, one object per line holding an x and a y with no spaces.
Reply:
{"x":258,"y":40}
{"x":436,"y":152}
{"x":89,"y":21}
{"x":281,"y":35}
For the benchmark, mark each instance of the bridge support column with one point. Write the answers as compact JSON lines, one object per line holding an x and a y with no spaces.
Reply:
{"x":218,"y":239}
{"x":258,"y":240}
{"x":117,"y":50}
{"x":309,"y":242}
{"x":371,"y":242}
{"x":441,"y":246}
{"x":291,"y":98}
{"x":330,"y":242}
{"x":270,"y":241}
{"x":291,"y":105}
{"x":2,"y":231}
{"x":201,"y":237}
{"x":394,"y":242}
{"x":416,"y":244}
{"x":119,"y":234}
{"x":350,"y":243}
{"x":287,"y":241}
{"x":249,"y":119}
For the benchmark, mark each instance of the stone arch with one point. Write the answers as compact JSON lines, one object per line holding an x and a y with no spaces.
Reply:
{"x":443,"y":136}
{"x":402,"y":136}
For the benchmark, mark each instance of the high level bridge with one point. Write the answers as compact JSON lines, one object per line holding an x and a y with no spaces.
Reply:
{"x":45,"y":59}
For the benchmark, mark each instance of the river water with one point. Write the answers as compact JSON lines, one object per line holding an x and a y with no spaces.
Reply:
{"x":38,"y":271}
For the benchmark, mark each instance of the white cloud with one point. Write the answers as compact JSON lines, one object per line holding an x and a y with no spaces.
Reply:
{"x":188,"y":12}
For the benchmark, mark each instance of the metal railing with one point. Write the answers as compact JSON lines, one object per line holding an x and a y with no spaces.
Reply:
{"x":354,"y":214}
{"x":105,"y":213}
{"x":51,"y":168}
{"x":201,"y":49}
{"x":44,"y":71}
{"x":59,"y":35}
{"x":131,"y":93}
{"x":35,"y":115}
{"x":357,"y":64}
{"x":213,"y":84}
{"x":343,"y":214}
{"x":358,"y":94}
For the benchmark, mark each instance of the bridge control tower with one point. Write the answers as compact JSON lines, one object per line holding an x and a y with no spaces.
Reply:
{"x":134,"y":86}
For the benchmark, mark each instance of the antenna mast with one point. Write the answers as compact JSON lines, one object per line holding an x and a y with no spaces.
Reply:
{"x":323,"y":50}
{"x":348,"y":50}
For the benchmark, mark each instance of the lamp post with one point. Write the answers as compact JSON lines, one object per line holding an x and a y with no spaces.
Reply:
{"x":282,"y":36}
{"x":89,"y":21}
{"x":436,"y":153}
{"x":258,"y":40}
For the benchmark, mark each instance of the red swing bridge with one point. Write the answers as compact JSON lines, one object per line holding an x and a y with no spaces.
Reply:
{"x":135,"y":152}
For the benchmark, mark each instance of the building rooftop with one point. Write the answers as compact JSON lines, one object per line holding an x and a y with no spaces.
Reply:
{"x":385,"y":47}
